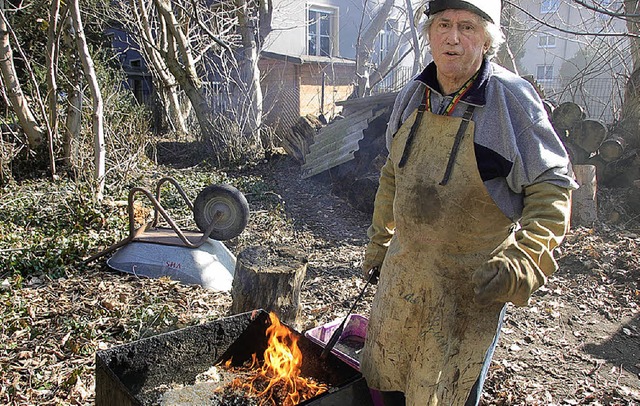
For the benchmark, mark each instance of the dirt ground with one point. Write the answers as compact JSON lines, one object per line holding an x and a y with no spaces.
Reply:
{"x":577,"y":343}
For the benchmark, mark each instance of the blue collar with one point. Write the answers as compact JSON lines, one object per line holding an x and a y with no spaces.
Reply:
{"x":475,"y":95}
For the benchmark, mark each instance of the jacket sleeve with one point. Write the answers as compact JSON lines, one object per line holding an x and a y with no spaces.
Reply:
{"x":383,"y":224}
{"x":544,"y":223}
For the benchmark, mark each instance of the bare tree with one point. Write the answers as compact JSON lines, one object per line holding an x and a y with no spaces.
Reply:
{"x":208,"y":53}
{"x":630,"y":116}
{"x":96,"y":95}
{"x":151,"y":47}
{"x":19,"y":104}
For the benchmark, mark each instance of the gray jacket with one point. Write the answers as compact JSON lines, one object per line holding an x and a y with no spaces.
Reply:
{"x":514,"y":142}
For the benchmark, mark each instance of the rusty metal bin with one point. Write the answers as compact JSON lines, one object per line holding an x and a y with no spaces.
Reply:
{"x":130,"y":374}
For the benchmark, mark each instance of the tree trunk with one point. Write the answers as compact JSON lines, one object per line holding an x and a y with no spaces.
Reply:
{"x":74,"y":118}
{"x":52,"y":73}
{"x":269,"y":279}
{"x":191,"y":89}
{"x":250,"y":91}
{"x":179,"y":63}
{"x":96,"y":95}
{"x":166,"y":82}
{"x":415,"y":38}
{"x":26,"y":118}
{"x":180,"y":39}
{"x":584,"y":210}
{"x":365,"y":44}
{"x":630,"y":116}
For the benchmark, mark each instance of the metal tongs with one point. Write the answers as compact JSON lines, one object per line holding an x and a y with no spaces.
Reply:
{"x":373,"y":278}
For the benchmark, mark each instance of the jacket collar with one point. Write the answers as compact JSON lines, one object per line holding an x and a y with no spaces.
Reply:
{"x":475,"y":95}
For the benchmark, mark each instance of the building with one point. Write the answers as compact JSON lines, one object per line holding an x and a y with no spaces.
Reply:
{"x":308,"y":60}
{"x":574,"y":52}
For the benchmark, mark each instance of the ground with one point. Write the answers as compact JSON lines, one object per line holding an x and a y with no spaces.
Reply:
{"x":578,"y":343}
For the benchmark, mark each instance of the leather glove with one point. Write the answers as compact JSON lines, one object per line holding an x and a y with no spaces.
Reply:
{"x":373,"y":258}
{"x":510,"y":276}
{"x":517,"y":271}
{"x":382,"y":224}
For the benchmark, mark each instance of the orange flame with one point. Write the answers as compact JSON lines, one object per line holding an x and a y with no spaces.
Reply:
{"x":281,"y":369}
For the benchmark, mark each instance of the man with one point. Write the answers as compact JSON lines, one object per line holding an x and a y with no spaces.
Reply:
{"x":473,"y":198}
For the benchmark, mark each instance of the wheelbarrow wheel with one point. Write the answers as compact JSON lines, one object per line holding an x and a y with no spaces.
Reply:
{"x":225,"y":207}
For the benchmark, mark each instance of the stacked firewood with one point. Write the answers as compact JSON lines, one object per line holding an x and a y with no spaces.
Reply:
{"x":591,"y":142}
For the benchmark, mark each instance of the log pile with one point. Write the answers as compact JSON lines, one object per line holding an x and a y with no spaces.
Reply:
{"x":591,"y":142}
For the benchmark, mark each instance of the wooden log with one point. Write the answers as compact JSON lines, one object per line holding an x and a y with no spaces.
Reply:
{"x":567,"y":115}
{"x":589,"y":135}
{"x":269,"y":279}
{"x":584,"y":205}
{"x":577,"y":155}
{"x":298,"y":139}
{"x":612,"y":148}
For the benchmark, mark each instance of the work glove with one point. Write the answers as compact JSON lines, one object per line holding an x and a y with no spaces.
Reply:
{"x":373,"y":258}
{"x":518,"y":270}
{"x":382,"y":224}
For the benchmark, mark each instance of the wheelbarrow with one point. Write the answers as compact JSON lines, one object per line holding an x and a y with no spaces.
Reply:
{"x":221,"y":212}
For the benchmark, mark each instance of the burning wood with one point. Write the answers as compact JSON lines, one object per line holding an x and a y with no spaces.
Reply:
{"x":275,"y":381}
{"x":278,"y":380}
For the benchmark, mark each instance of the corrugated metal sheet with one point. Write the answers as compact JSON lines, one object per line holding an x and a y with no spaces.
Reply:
{"x":338,"y":142}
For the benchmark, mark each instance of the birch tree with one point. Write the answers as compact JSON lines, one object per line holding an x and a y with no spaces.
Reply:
{"x":165,"y":81}
{"x":26,"y":118}
{"x":364,"y":46}
{"x":96,"y":96}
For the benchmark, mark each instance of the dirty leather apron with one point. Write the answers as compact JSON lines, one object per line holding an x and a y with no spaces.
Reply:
{"x":426,"y":336}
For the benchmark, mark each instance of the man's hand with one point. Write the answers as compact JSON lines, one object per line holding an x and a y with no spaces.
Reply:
{"x":372,"y":275}
{"x":373,"y":258}
{"x":510,"y":276}
{"x":492,"y":281}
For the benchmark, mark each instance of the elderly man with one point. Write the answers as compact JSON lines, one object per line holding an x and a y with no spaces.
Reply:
{"x":473,"y":198}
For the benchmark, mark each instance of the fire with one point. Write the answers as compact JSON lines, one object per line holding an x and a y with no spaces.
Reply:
{"x":278,"y":381}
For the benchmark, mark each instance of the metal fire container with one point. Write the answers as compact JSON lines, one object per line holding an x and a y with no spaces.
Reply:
{"x":130,"y":374}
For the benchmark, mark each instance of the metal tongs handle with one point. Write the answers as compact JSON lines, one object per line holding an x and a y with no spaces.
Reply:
{"x":373,"y":276}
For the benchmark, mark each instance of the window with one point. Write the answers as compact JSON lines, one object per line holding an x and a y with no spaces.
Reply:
{"x":135,"y":63}
{"x":549,"y":6}
{"x":320,"y":32}
{"x":546,"y":41}
{"x":385,"y":41}
{"x":544,"y":72}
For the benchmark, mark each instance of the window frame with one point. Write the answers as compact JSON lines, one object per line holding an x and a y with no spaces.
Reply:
{"x":546,"y":42}
{"x":549,"y":6}
{"x":331,"y":14}
{"x":547,"y":74}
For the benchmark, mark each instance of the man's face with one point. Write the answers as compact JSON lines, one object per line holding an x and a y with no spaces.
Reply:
{"x":458,"y":42}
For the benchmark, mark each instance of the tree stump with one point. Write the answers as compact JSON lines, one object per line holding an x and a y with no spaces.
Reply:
{"x":269,"y":279}
{"x":584,"y":207}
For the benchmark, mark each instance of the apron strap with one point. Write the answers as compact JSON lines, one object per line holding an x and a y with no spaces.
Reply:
{"x":414,"y":129}
{"x":456,"y":143}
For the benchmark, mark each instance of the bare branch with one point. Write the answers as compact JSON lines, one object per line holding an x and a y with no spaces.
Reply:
{"x":567,"y":31}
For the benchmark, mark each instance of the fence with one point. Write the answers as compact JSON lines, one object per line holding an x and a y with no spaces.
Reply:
{"x":601,"y":98}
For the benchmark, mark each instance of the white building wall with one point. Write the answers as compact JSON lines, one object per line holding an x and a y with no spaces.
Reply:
{"x":571,"y":65}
